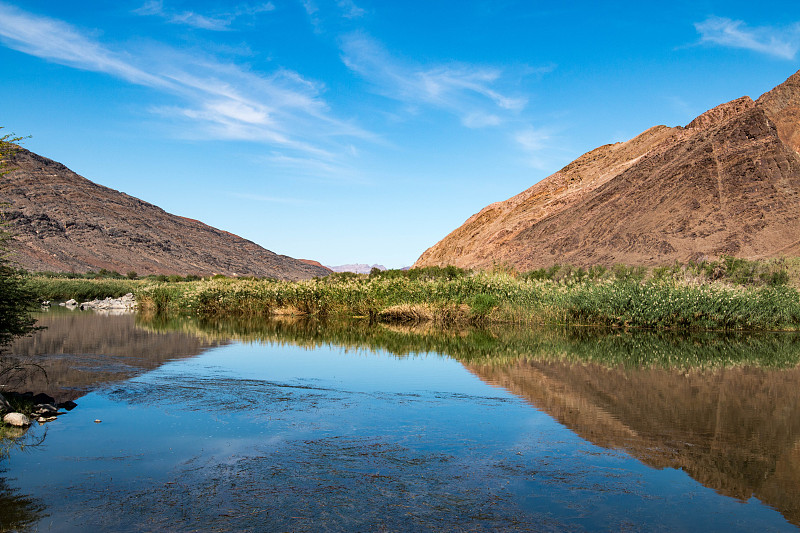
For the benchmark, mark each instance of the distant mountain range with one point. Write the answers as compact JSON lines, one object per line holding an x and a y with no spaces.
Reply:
{"x":727,"y":183}
{"x":64,"y":222}
{"x":358,"y":268}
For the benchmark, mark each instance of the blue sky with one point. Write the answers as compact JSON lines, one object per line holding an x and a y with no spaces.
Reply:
{"x":355,"y":131}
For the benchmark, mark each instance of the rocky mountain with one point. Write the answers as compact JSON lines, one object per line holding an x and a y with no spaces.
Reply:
{"x":727,"y":183}
{"x":358,"y":268}
{"x":64,"y":222}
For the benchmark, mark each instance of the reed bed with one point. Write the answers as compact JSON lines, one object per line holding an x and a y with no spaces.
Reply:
{"x":55,"y":289}
{"x":489,"y":297}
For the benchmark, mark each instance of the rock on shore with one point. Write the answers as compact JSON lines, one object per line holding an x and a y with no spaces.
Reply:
{"x":123,"y":304}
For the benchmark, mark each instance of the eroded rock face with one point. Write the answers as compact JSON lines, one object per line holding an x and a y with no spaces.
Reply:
{"x":727,"y":183}
{"x":64,"y":222}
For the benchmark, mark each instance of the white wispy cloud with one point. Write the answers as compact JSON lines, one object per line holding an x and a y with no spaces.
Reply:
{"x":778,"y":42}
{"x":216,"y":22}
{"x":270,"y":199}
{"x":533,"y":143}
{"x":467,"y":91}
{"x":330,"y":13}
{"x":220,"y":100}
{"x":61,"y":43}
{"x":350,"y":10}
{"x":315,"y":168}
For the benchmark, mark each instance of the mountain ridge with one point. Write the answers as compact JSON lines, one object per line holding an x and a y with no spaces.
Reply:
{"x":725,"y":184}
{"x":64,"y":222}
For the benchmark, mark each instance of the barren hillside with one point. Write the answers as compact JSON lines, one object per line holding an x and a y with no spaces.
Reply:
{"x":64,"y":222}
{"x":727,"y":183}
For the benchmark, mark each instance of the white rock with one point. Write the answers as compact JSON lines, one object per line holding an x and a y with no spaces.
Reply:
{"x":17,"y":419}
{"x":44,"y":409}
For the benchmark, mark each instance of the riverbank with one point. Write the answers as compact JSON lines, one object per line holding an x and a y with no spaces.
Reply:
{"x":731,"y":294}
{"x":490,"y":297}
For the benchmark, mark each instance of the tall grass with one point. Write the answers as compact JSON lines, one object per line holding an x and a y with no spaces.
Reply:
{"x":730,"y":294}
{"x":490,"y":297}
{"x":56,"y":289}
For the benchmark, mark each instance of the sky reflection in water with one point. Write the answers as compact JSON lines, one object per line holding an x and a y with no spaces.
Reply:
{"x":252,"y":436}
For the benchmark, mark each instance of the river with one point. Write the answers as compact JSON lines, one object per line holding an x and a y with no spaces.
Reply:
{"x":305,"y":426}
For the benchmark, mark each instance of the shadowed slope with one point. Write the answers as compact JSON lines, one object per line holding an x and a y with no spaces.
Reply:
{"x":64,"y":222}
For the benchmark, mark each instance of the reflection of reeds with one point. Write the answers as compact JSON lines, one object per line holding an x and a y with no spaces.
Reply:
{"x":18,"y":512}
{"x":498,"y":344}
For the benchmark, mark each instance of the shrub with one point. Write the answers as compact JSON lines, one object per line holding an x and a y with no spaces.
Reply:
{"x":482,"y":304}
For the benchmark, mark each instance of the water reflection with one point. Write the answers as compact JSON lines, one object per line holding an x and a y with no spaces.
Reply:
{"x":723,"y":408}
{"x":17,"y":511}
{"x":494,"y":345}
{"x":77,"y":351}
{"x":735,"y":430}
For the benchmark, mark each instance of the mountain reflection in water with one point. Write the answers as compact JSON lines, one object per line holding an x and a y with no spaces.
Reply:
{"x":79,"y":351}
{"x":724,"y":408}
{"x":735,"y":430}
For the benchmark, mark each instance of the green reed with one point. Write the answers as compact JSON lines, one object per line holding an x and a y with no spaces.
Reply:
{"x":490,"y":297}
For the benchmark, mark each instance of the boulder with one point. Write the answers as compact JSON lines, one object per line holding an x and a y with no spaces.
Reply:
{"x":43,"y":398}
{"x":46,"y":409}
{"x":69,"y":405}
{"x":17,"y":420}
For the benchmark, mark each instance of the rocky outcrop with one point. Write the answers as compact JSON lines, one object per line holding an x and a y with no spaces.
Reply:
{"x":64,"y":222}
{"x":314,"y":263}
{"x":727,"y":183}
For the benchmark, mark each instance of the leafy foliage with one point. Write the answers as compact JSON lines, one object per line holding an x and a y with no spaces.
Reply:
{"x":16,"y":298}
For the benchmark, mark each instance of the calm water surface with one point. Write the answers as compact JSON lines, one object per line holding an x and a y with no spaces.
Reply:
{"x":302,"y":428}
